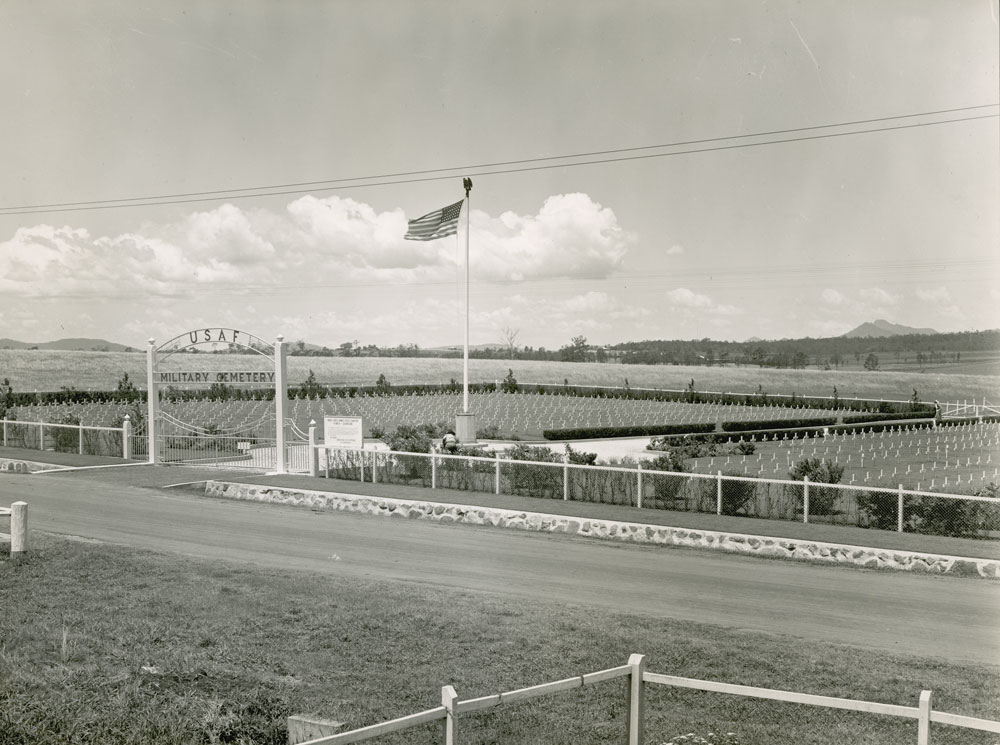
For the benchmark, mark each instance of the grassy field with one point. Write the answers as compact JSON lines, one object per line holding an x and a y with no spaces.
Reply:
{"x":41,"y":370}
{"x":113,"y":645}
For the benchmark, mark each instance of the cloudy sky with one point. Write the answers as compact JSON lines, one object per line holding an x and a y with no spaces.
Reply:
{"x":642,"y":170}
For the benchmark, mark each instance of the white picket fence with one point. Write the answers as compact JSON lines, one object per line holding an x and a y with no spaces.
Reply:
{"x":452,"y":708}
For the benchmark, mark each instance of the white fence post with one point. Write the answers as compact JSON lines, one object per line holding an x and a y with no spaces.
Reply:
{"x":448,"y":699}
{"x":805,"y":499}
{"x":638,"y":497}
{"x":434,"y":470}
{"x":899,"y":511}
{"x":924,"y":719}
{"x":313,"y":452}
{"x":81,"y":438}
{"x":18,"y":530}
{"x":127,"y":438}
{"x":637,"y":701}
{"x":496,"y":489}
{"x":5,"y":433}
{"x":718,"y":493}
{"x":566,"y":478}
{"x":41,"y":436}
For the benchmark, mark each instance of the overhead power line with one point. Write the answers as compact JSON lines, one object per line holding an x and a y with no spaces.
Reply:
{"x":506,"y":167}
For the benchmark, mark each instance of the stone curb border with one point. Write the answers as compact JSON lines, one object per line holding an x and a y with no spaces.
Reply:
{"x":23,"y":466}
{"x":787,"y":548}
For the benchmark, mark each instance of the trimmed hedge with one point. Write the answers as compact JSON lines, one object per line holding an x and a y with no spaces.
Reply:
{"x":777,"y":424}
{"x":862,"y":418}
{"x":652,"y":430}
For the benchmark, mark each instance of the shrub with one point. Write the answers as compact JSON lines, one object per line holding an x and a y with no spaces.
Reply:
{"x":961,"y":518}
{"x":818,"y":472}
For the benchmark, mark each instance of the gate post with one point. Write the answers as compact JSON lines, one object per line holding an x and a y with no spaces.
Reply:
{"x":280,"y":402}
{"x":127,"y":438}
{"x":153,"y":401}
{"x":313,"y":452}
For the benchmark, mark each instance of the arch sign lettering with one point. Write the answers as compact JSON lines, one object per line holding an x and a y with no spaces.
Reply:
{"x":226,"y":344}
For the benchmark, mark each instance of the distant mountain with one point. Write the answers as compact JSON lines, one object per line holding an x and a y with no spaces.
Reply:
{"x":68,"y":345}
{"x":884,"y":328}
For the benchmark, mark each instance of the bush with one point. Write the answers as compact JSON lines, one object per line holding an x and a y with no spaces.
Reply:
{"x":960,"y":518}
{"x":818,"y":472}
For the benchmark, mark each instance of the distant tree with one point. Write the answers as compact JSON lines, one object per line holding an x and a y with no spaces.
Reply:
{"x":310,"y":388}
{"x":509,"y":384}
{"x":382,"y":385}
{"x":510,"y":340}
{"x":575,"y":351}
{"x":871,"y":361}
{"x":127,"y":390}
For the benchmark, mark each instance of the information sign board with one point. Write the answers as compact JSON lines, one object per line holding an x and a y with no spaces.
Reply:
{"x":343,"y":432}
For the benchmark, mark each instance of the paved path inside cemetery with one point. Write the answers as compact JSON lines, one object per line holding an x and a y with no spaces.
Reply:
{"x":911,"y":614}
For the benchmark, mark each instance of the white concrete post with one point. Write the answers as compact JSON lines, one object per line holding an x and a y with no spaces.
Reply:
{"x":153,"y":401}
{"x":924,"y":719}
{"x":362,"y":465}
{"x":448,"y":699}
{"x":899,"y":510}
{"x":127,"y":438}
{"x":41,"y":436}
{"x":18,"y":530}
{"x":280,"y":402}
{"x":5,"y":433}
{"x":718,"y":493}
{"x":637,"y":701}
{"x":638,"y":497}
{"x":374,"y":466}
{"x":496,"y":489}
{"x":313,"y":452}
{"x":566,"y":478}
{"x":805,"y":499}
{"x":80,"y":427}
{"x":434,"y":463}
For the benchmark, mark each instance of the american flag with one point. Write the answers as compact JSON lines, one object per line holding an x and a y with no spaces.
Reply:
{"x":436,"y":224}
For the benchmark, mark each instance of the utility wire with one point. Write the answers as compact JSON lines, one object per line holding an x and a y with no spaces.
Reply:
{"x":420,"y":176}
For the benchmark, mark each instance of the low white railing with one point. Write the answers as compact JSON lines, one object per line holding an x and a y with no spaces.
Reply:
{"x":368,"y":461}
{"x":452,"y":708}
{"x":37,"y":436}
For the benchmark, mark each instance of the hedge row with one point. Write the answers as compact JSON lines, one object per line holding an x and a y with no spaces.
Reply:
{"x":652,"y":430}
{"x":863,"y":418}
{"x":778,"y":424}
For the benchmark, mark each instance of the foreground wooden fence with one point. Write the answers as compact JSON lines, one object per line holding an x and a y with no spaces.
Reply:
{"x":18,"y":536}
{"x":452,"y":708}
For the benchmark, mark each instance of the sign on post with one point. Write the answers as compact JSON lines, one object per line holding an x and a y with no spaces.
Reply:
{"x":343,"y":432}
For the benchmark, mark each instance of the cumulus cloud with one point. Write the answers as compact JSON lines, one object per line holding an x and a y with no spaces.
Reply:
{"x":878,"y":297}
{"x":675,"y":250}
{"x":834,"y":297}
{"x":570,"y":236}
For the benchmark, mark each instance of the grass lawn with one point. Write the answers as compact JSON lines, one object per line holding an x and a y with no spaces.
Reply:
{"x":104,"y":644}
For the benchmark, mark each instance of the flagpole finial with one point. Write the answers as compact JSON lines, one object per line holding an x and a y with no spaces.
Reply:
{"x":467,"y":183}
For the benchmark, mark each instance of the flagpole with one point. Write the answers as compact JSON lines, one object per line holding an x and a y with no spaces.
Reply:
{"x":467,"y":183}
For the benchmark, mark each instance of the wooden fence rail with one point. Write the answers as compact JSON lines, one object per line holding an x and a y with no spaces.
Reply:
{"x":452,"y":708}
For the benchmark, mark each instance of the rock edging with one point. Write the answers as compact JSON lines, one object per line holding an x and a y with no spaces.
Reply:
{"x":871,"y":558}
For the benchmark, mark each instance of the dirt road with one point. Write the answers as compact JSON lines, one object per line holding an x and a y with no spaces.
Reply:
{"x":912,"y":614}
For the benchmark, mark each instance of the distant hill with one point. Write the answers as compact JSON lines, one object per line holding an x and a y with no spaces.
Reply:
{"x":884,"y":328}
{"x":68,"y":345}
